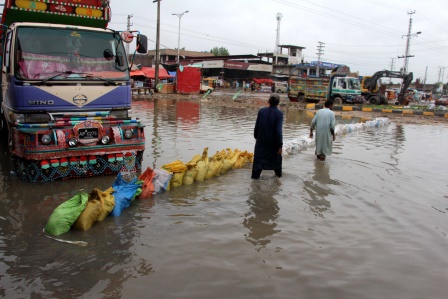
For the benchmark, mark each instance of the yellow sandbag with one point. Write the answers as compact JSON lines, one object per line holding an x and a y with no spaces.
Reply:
{"x":213,"y":169}
{"x":202,"y":166}
{"x":177,"y":179}
{"x":202,"y":170}
{"x":190,"y":175}
{"x":89,"y":216}
{"x":175,"y":166}
{"x":230,"y":160}
{"x":107,"y":201}
{"x":240,"y":161}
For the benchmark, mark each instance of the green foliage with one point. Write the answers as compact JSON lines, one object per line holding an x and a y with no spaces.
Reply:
{"x":221,"y":51}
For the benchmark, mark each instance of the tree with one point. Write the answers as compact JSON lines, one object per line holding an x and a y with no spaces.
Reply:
{"x":220,"y":51}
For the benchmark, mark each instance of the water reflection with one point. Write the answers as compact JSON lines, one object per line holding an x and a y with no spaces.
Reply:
{"x":261,"y":220}
{"x":318,"y":188}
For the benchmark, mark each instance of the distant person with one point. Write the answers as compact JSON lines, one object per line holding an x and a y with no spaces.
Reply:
{"x":268,"y":133}
{"x":273,"y":87}
{"x":324,"y":122}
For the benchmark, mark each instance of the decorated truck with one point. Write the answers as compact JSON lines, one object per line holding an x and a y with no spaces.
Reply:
{"x":66,"y":93}
{"x":342,"y":87}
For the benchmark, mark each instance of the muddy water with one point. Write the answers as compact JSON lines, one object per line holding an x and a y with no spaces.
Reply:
{"x":370,"y":222}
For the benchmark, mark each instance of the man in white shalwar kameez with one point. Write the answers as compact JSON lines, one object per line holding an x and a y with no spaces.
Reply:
{"x":324,"y":123}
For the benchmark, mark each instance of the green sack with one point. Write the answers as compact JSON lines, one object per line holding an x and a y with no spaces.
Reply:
{"x":66,"y":214}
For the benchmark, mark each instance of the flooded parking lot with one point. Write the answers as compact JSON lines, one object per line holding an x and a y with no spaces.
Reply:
{"x":370,"y":222}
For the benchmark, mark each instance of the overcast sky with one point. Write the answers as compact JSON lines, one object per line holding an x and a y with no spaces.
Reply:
{"x":366,"y":35}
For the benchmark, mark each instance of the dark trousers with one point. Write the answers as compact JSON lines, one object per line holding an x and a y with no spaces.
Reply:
{"x":257,"y":172}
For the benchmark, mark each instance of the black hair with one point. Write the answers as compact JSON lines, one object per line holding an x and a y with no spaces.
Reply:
{"x":274,"y":99}
{"x":328,"y":103}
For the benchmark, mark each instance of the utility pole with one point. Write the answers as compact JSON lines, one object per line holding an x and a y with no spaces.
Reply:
{"x":408,"y":43}
{"x":320,"y":52}
{"x":391,"y":68}
{"x":424,"y":81}
{"x":277,"y":40}
{"x":156,"y":75}
{"x":128,"y":29}
{"x":440,"y":72}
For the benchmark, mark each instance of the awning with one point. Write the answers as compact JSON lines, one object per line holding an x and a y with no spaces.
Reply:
{"x":151,"y":73}
{"x":261,"y":81}
{"x":137,"y":73}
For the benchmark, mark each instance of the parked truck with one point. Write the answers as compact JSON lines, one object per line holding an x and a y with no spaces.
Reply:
{"x":66,"y":93}
{"x":341,"y":86}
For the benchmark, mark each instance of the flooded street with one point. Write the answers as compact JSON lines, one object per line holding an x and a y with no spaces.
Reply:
{"x":370,"y":222}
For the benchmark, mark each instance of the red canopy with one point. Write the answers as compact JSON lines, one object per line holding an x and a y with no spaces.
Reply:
{"x":261,"y":81}
{"x":137,"y":73}
{"x":150,"y":72}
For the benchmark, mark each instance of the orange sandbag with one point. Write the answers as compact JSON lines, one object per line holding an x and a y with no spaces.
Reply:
{"x":148,"y":185}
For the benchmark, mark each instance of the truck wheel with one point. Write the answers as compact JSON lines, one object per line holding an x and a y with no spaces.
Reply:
{"x":337,"y":101}
{"x":279,"y":91}
{"x":383,"y":100}
{"x":374,"y":100}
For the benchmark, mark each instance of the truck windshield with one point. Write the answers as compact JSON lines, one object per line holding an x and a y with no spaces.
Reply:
{"x":51,"y":53}
{"x":353,"y":83}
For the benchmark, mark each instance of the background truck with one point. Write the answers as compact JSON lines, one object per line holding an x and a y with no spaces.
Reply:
{"x":66,"y":93}
{"x":342,"y":87}
{"x":375,"y":95}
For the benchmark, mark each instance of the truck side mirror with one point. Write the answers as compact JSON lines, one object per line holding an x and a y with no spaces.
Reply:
{"x":142,"y":44}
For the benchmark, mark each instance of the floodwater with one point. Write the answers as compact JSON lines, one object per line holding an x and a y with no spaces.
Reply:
{"x":370,"y":222}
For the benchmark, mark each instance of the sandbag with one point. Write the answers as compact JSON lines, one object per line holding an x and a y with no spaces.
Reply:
{"x":161,"y":180}
{"x":124,"y":193}
{"x":213,"y":169}
{"x":147,"y":186}
{"x":202,"y":165}
{"x":202,"y":170}
{"x":190,"y":175}
{"x":65,"y":214}
{"x":176,"y":179}
{"x":89,"y":216}
{"x":107,"y":201}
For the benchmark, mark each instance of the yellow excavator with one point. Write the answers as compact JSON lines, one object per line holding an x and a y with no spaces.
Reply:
{"x":374,"y":94}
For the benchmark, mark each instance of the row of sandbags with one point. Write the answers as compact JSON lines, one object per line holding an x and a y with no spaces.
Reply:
{"x":199,"y":168}
{"x":84,"y":209}
{"x":304,"y":141}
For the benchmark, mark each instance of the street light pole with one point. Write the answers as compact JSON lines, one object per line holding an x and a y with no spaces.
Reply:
{"x":156,"y":75}
{"x":179,"y":15}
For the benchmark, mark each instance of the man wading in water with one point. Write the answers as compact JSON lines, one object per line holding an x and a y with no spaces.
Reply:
{"x":268,"y":133}
{"x":324,"y":123}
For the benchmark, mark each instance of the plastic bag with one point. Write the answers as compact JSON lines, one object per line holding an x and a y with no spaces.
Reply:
{"x":66,"y":214}
{"x":148,"y":186}
{"x":124,"y":193}
{"x":161,"y":180}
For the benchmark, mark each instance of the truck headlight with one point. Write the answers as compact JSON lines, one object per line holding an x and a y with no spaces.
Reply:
{"x":72,"y":141}
{"x":46,"y":139}
{"x":105,"y":139}
{"x":121,"y":114}
{"x":128,"y":134}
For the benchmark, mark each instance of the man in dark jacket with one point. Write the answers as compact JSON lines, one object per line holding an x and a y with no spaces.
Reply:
{"x":268,"y":133}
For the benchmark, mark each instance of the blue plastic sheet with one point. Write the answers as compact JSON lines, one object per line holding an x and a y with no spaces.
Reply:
{"x":124,"y":193}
